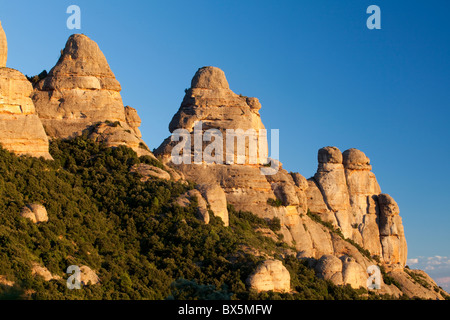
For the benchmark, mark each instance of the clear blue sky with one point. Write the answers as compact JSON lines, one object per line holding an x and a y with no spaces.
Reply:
{"x":322,"y":77}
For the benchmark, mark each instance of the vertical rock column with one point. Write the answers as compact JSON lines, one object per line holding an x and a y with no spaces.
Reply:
{"x":392,"y":234}
{"x":3,"y":47}
{"x":330,"y":178}
{"x":363,"y":190}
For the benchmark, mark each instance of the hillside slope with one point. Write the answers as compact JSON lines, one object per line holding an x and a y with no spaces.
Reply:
{"x":137,"y":239}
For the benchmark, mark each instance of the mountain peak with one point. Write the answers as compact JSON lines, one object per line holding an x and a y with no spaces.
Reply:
{"x":210,"y":78}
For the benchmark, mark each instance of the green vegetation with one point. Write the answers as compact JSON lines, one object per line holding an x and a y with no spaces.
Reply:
{"x":274,"y":202}
{"x":35,"y":79}
{"x":143,"y":146}
{"x":418,"y":278}
{"x":141,"y":244}
{"x":387,"y":279}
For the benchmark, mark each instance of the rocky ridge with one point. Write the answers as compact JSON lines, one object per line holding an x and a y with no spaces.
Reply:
{"x":339,"y":220}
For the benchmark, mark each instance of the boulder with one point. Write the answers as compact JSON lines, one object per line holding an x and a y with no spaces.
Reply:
{"x":353,"y":273}
{"x":147,"y":172}
{"x":35,"y":212}
{"x":329,"y":267}
{"x":271,"y":275}
{"x":354,"y":159}
{"x":5,"y":282}
{"x":38,"y":270}
{"x":88,"y":276}
{"x":343,"y":270}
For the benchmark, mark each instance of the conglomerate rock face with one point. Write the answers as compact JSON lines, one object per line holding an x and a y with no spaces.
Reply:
{"x":344,"y":191}
{"x":21,"y":130}
{"x":81,"y":93}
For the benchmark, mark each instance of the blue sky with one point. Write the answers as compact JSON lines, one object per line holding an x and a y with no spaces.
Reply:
{"x":322,"y":77}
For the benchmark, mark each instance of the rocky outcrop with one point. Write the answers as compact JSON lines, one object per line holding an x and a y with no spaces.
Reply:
{"x":133,"y":120}
{"x":35,"y":212}
{"x":81,"y":93}
{"x":217,"y":201}
{"x":21,"y":131}
{"x":147,"y":172}
{"x":392,"y":235}
{"x":345,"y":192}
{"x":418,"y":284}
{"x":208,"y":197}
{"x":210,"y":105}
{"x":3,"y":47}
{"x":363,"y":189}
{"x":38,"y":270}
{"x":88,"y":276}
{"x":271,"y":275}
{"x":330,"y":178}
{"x":5,"y":282}
{"x":186,"y":199}
{"x":344,"y":270}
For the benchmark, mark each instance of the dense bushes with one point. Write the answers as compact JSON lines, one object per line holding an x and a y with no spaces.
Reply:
{"x":141,"y":245}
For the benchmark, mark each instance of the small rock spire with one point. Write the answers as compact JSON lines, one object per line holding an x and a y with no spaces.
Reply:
{"x":3,"y":47}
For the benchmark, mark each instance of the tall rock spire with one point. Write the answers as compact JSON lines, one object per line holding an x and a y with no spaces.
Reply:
{"x":82,"y":93}
{"x":3,"y":47}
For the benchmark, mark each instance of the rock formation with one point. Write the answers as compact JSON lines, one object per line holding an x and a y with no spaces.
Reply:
{"x":35,"y":212}
{"x":3,"y":47}
{"x":341,"y":271}
{"x":5,"y":282}
{"x":38,"y":270}
{"x":216,"y":199}
{"x":210,"y":104}
{"x":344,"y":191}
{"x":147,"y":172}
{"x":392,"y":235}
{"x":208,"y":197}
{"x":271,"y":275}
{"x":21,"y":131}
{"x":81,"y":93}
{"x":88,"y":276}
